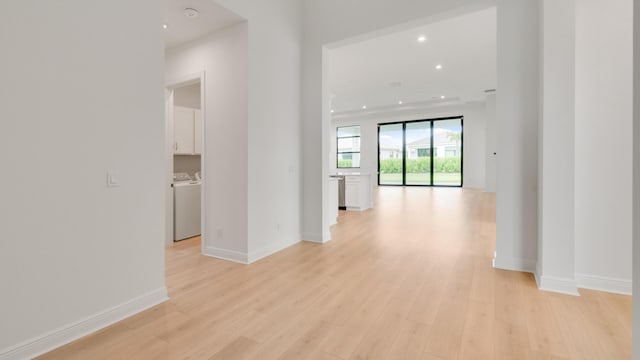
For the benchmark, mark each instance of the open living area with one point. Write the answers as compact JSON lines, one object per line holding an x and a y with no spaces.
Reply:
{"x":320,"y":179}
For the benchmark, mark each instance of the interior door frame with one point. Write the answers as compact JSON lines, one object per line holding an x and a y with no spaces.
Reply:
{"x":170,"y":87}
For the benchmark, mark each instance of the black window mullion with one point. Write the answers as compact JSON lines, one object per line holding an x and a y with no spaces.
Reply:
{"x":432,"y":154}
{"x":378,"y":154}
{"x":404,"y":154}
{"x":461,"y":151}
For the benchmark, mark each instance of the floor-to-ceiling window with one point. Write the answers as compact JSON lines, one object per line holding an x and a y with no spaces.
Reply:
{"x":423,"y":152}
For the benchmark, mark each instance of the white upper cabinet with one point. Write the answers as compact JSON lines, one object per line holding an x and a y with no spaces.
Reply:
{"x":187,"y":131}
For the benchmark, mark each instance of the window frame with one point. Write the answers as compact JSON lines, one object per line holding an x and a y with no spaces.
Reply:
{"x":434,"y":150}
{"x":338,"y":152}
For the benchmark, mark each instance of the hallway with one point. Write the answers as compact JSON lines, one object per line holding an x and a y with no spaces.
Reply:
{"x":409,"y":279}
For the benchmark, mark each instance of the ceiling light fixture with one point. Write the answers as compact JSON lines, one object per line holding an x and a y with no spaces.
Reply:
{"x":422,"y":38}
{"x":441,"y":97}
{"x":400,"y":102}
{"x":364,"y":107}
{"x":332,"y":111}
{"x":165,"y":26}
{"x":439,"y":67}
{"x":191,"y":13}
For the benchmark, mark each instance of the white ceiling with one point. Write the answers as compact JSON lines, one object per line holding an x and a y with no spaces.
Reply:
{"x":381,"y":72}
{"x":181,"y":29}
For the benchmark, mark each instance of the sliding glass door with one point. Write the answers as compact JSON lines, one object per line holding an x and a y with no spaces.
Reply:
{"x":390,"y":157}
{"x":422,"y":153}
{"x":447,"y":142}
{"x":418,"y":153}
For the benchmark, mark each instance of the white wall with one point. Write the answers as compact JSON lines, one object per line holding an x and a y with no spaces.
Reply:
{"x":324,"y":25}
{"x":636,"y":180}
{"x":517,"y":124}
{"x":475,"y":117}
{"x":81,"y":95}
{"x":491,"y":145}
{"x":556,"y":243}
{"x":187,"y":96}
{"x":603,"y":144}
{"x":223,"y":58}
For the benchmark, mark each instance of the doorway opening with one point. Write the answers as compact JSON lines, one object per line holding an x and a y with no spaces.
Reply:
{"x":185,"y":154}
{"x":408,"y":91}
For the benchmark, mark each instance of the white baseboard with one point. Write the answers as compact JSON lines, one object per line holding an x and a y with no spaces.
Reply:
{"x":318,"y":239}
{"x":602,"y":283}
{"x":64,"y":335}
{"x":513,"y":264}
{"x":249,"y":258}
{"x":313,"y":237}
{"x":270,"y":250}
{"x":559,"y":285}
{"x":315,"y":242}
{"x":224,"y":254}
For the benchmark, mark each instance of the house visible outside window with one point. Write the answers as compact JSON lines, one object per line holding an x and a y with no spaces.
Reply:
{"x":450,"y":151}
{"x":348,"y":139}
{"x":424,"y":152}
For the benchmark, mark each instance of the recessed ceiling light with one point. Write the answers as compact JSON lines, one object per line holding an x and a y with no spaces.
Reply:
{"x":442,"y":97}
{"x":439,"y":67}
{"x":164,"y":26}
{"x":400,"y":102}
{"x":422,"y":38}
{"x":332,"y":111}
{"x":191,"y":13}
{"x":364,"y":107}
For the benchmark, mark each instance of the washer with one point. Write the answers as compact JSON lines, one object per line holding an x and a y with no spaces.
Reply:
{"x":186,"y":209}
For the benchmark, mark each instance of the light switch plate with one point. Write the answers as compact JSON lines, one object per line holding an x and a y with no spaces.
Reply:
{"x":113,"y":179}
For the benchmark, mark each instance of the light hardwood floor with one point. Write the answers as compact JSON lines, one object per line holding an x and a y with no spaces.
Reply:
{"x":410,"y":279}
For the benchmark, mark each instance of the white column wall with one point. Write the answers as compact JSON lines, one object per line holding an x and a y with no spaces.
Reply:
{"x":517,"y":140}
{"x":274,"y":127}
{"x":556,"y":244}
{"x":603,"y":174}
